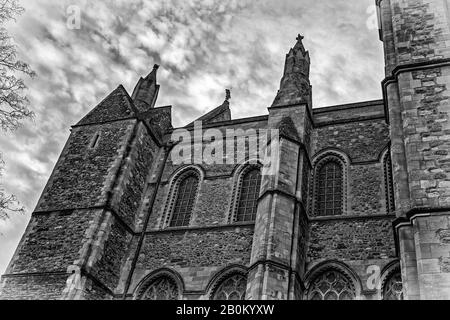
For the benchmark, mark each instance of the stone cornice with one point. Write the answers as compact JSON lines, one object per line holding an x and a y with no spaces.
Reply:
{"x":248,"y":225}
{"x":226,"y":123}
{"x":326,"y":219}
{"x":105,"y":207}
{"x":36,"y":274}
{"x":409,"y":67}
{"x":410,"y":216}
{"x":414,"y":213}
{"x":346,"y":121}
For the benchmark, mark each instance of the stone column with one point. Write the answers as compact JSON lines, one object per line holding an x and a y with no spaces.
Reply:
{"x":278,"y":253}
{"x":416,"y":36}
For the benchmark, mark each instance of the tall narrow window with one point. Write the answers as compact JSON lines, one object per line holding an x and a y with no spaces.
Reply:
{"x":389,"y":187}
{"x":331,"y":285}
{"x":94,"y":141}
{"x":232,"y":288}
{"x":248,"y":199}
{"x":184,"y":203}
{"x":329,"y":189}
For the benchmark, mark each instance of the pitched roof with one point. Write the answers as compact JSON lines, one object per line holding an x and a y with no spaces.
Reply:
{"x":221,"y":113}
{"x":117,"y":105}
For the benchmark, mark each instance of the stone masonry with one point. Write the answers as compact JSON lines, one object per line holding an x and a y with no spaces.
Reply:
{"x":102,"y":227}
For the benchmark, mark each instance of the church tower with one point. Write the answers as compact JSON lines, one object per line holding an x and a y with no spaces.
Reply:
{"x":416,"y":37}
{"x":85,"y":220}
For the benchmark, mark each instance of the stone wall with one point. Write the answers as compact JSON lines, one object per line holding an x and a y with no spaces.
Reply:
{"x":50,"y":245}
{"x":109,"y":255}
{"x":350,"y":239}
{"x":361,"y":140}
{"x":208,"y":244}
{"x":416,"y":38}
{"x":425,"y":98}
{"x":414,"y":31}
{"x":363,"y":236}
{"x":197,"y":248}
{"x":211,"y":208}
{"x":364,"y":245}
{"x":128,"y":193}
{"x":421,"y":30}
{"x":84,"y":173}
{"x":48,"y":287}
{"x":345,"y":113}
{"x":367,"y":194}
{"x":196,"y":254}
{"x":432,"y":240}
{"x":215,"y":190}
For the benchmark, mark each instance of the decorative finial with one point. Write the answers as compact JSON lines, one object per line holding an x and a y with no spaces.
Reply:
{"x":300,"y":37}
{"x":227,"y":94}
{"x":156,"y":67}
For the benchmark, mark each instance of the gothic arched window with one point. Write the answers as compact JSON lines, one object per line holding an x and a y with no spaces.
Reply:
{"x":388,"y":185}
{"x":248,"y":197}
{"x":185,"y":198}
{"x":161,"y":288}
{"x":329,"y":188}
{"x":393,"y":288}
{"x":331,"y":285}
{"x":232,"y":288}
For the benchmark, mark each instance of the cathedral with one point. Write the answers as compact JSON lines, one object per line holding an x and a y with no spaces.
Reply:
{"x":353,"y":204}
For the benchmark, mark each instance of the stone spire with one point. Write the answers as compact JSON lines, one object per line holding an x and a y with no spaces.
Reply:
{"x":146,"y":91}
{"x":295,"y":87}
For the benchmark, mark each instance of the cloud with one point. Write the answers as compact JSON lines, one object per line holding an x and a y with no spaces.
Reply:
{"x":203,"y":46}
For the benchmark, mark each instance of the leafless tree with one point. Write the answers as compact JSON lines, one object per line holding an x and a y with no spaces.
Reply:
{"x":13,"y":102}
{"x":8,"y":203}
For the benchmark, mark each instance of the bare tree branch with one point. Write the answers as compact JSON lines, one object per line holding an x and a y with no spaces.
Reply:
{"x":14,"y":105}
{"x":8,"y":203}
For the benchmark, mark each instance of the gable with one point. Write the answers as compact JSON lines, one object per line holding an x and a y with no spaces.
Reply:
{"x":117,"y":105}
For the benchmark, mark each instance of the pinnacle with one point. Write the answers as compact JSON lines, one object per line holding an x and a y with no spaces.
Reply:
{"x":153,"y":72}
{"x":299,"y":45}
{"x":227,"y":95}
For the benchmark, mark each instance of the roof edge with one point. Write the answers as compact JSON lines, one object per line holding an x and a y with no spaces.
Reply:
{"x":348,"y":106}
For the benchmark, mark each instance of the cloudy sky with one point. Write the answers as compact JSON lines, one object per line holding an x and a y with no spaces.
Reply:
{"x":203,"y":47}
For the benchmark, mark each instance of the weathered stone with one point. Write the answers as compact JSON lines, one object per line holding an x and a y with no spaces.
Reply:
{"x":102,"y":227}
